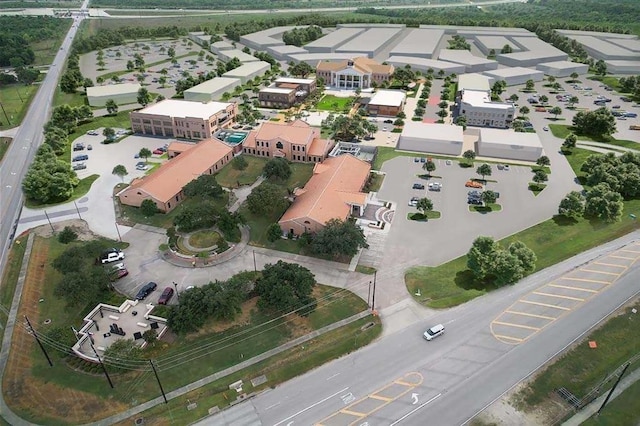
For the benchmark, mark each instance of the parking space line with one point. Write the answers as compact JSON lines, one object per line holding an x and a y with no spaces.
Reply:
{"x":622,"y":257}
{"x":600,"y":272}
{"x":548,"y":305}
{"x":381,"y":398}
{"x":530,"y":315}
{"x":515,"y":339}
{"x":588,"y":290}
{"x":610,"y":264}
{"x":577,"y":299}
{"x":630,"y":251}
{"x":585,"y":280}
{"x":510,"y":324}
{"x":353,"y":413}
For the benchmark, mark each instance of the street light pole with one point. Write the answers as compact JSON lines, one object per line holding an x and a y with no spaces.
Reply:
{"x":369,"y":294}
{"x":175,"y":284}
{"x":373,"y":299}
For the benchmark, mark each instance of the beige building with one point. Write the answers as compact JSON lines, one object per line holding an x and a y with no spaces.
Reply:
{"x":285,"y":92}
{"x":387,"y":103}
{"x":355,"y":73}
{"x":188,"y":161}
{"x":122,"y":94}
{"x":333,"y":192}
{"x":295,"y":141}
{"x":183,"y":119}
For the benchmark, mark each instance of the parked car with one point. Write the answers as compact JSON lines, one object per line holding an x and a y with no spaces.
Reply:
{"x":616,"y":107}
{"x":423,"y":160}
{"x":89,"y":147}
{"x":473,"y":184}
{"x":545,"y":128}
{"x":78,"y":147}
{"x":92,"y":133}
{"x":418,"y":186}
{"x":413,"y":201}
{"x":166,"y":295}
{"x":416,"y":160}
{"x":111,"y":256}
{"x":158,"y":151}
{"x":388,"y":121}
{"x":434,"y":332}
{"x":81,"y":157}
{"x":506,"y":167}
{"x":384,"y":129}
{"x":146,"y":290}
{"x":500,"y":167}
{"x":79,"y":166}
{"x":630,"y":114}
{"x":142,"y":167}
{"x":435,"y":186}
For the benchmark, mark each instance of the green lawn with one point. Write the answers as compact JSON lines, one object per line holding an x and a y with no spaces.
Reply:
{"x":4,"y":146}
{"x":624,"y":410}
{"x":79,"y":191}
{"x":15,"y":100}
{"x":562,"y":131}
{"x":486,"y":209}
{"x":229,"y":177}
{"x":78,"y":98}
{"x":375,"y":182}
{"x":420,"y":217}
{"x":334,"y":103}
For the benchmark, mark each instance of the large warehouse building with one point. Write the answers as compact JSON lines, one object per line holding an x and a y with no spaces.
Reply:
{"x":514,"y":76}
{"x":248,"y":71}
{"x":227,"y":55}
{"x":623,"y":67}
{"x":371,"y":42}
{"x":470,"y":62}
{"x":424,"y":65}
{"x":122,"y":94}
{"x":420,"y":43}
{"x":562,"y":68}
{"x":211,"y":90}
{"x":509,"y":145}
{"x":445,"y":139}
{"x":333,"y":40}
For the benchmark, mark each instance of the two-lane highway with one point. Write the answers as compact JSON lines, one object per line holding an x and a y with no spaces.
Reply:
{"x":25,"y":143}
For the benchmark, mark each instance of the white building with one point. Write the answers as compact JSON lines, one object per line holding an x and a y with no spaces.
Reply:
{"x":476,"y":106}
{"x":424,"y":65}
{"x":386,"y":102}
{"x":227,"y":55}
{"x":473,"y":81}
{"x":122,"y":94}
{"x":470,"y":62}
{"x":623,"y":67}
{"x":219,"y":46}
{"x":562,"y":68}
{"x":515,"y":76}
{"x":509,"y":145}
{"x":248,"y":71}
{"x":445,"y":139}
{"x":211,"y":90}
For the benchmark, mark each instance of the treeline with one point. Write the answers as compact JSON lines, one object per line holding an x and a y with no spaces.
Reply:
{"x":302,"y":36}
{"x":243,"y":4}
{"x":108,"y":38}
{"x":17,"y":32}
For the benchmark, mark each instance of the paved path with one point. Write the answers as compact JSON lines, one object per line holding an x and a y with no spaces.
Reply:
{"x":9,"y":133}
{"x":242,"y":193}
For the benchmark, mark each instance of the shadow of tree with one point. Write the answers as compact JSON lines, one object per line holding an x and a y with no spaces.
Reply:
{"x":564,"y":220}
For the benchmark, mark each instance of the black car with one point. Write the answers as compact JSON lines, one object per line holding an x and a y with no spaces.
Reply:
{"x":81,"y":157}
{"x":418,"y":186}
{"x":388,"y":121}
{"x":78,"y":147}
{"x":146,"y":290}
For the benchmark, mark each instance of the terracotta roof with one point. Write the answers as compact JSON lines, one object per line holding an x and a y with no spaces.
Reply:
{"x":319,"y":147}
{"x":335,"y":182}
{"x":250,"y":140}
{"x":297,"y":132}
{"x":169,"y":179}
{"x":179,"y":147}
{"x":362,"y":64}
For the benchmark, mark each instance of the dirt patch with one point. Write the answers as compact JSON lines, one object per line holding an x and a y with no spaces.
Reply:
{"x":79,"y":226}
{"x":22,"y":390}
{"x":503,"y":412}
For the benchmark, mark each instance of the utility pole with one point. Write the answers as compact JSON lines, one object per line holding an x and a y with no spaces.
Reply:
{"x":104,"y":369}
{"x":369,"y":294}
{"x":5,"y":113}
{"x":78,"y":210}
{"x":33,"y":332}
{"x":255,"y":268}
{"x":158,"y":379}
{"x":373,"y":299}
{"x":612,"y":389}
{"x":49,"y":220}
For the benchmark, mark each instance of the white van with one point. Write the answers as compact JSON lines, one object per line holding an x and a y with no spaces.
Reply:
{"x":434,"y":332}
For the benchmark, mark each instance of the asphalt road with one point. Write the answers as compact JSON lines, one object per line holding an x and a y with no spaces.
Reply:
{"x":25,"y":144}
{"x":403,"y":379}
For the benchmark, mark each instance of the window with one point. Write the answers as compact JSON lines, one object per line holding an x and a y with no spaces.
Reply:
{"x":168,"y":205}
{"x":279,"y":145}
{"x":177,"y":198}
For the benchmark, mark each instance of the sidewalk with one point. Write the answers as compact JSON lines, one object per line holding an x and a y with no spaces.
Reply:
{"x":591,"y":409}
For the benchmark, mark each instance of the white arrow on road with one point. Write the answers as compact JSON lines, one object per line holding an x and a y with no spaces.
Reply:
{"x":414,"y":396}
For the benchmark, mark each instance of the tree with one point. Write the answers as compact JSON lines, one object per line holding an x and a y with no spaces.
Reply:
{"x":481,"y":255}
{"x":277,"y":169}
{"x":144,"y":97}
{"x":601,"y":68}
{"x":56,"y":138}
{"x":555,"y":111}
{"x":429,"y":166}
{"x":570,"y":141}
{"x":120,"y":171}
{"x":461,"y":120}
{"x":424,"y":205}
{"x":572,"y":101}
{"x":529,"y":85}
{"x":469,"y":155}
{"x":49,"y":179}
{"x":497,"y":88}
{"x":286,"y":287}
{"x":200,"y":215}
{"x":443,"y":104}
{"x":171,"y":52}
{"x":239,"y":163}
{"x":339,"y":238}
{"x":148,"y":208}
{"x":205,"y":186}
{"x":122,"y":349}
{"x":267,"y":199}
{"x":109,"y":134}
{"x":506,"y":49}
{"x":130,"y":65}
{"x":111,"y":106}
{"x":599,"y":123}
{"x":274,"y":232}
{"x":514,"y":98}
{"x":404,"y":75}
{"x":524,"y":110}
{"x":574,"y":76}
{"x":401,"y":115}
{"x":540,"y":176}
{"x":544,"y":99}
{"x":442,"y":113}
{"x":543,"y":161}
{"x":551,"y":79}
{"x":399,"y":122}
{"x":144,"y":153}
{"x":572,"y":205}
{"x":27,"y":75}
{"x":67,"y":235}
{"x":603,"y":203}
{"x":489,"y":197}
{"x":301,"y":69}
{"x":484,"y":170}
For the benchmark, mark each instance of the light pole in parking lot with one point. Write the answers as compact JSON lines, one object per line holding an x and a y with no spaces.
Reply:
{"x":118,"y":231}
{"x":175,"y":284}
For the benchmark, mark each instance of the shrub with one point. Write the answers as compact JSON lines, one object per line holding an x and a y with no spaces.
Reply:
{"x":67,"y":235}
{"x":239,"y":163}
{"x":148,"y":208}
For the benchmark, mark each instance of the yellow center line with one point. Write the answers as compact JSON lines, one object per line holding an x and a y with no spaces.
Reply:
{"x":530,"y":315}
{"x":585,"y":280}
{"x":501,"y":336}
{"x":509,"y":324}
{"x":577,"y":299}
{"x":573,"y":288}
{"x":611,"y":264}
{"x":621,"y":257}
{"x":381,"y":398}
{"x":617,"y":274}
{"x":545,"y":304}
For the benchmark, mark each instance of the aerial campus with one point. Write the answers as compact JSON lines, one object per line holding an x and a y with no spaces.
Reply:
{"x":305,"y":214}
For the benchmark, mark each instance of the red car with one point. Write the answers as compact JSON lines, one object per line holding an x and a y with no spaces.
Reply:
{"x":166,"y":295}
{"x":158,"y":151}
{"x":119,"y":274}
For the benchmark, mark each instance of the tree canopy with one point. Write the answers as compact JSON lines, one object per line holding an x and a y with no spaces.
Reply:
{"x":339,"y":238}
{"x":277,"y":169}
{"x":493,"y":265}
{"x":595,"y":123}
{"x":48,"y":179}
{"x":204,"y":186}
{"x":286,"y":287}
{"x":267,"y":198}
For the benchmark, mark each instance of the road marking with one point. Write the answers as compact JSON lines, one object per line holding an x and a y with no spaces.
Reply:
{"x":585,"y":280}
{"x":381,"y":398}
{"x":311,"y":406}
{"x":348,"y":398}
{"x":630,"y":251}
{"x":353,"y":413}
{"x":502,"y":336}
{"x":415,"y":409}
{"x":601,"y":272}
{"x":610,"y":264}
{"x":414,"y":398}
{"x":335,"y":375}
{"x":509,"y":324}
{"x":588,"y":290}
{"x":622,"y":257}
{"x":271,"y":406}
{"x":540,"y":293}
{"x":544,"y":304}
{"x":531,"y":315}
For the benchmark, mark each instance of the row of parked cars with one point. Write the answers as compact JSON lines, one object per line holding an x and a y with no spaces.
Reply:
{"x":148,"y":288}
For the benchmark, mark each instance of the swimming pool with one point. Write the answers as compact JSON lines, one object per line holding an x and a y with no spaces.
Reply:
{"x":231,"y":138}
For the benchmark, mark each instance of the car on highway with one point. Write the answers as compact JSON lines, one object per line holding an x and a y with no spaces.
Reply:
{"x":418,"y":186}
{"x":433,"y":332}
{"x":146,"y":290}
{"x":166,"y":296}
{"x":81,"y":157}
{"x":473,"y":184}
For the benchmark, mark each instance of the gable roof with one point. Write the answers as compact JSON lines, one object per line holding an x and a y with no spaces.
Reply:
{"x":362,"y":64}
{"x":335,"y":183}
{"x":297,"y":132}
{"x":169,"y":179}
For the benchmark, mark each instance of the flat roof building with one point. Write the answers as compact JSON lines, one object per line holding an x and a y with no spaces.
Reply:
{"x":285,"y":92}
{"x":602,"y":49}
{"x":623,"y":67}
{"x":269,"y":37}
{"x":562,"y":68}
{"x":487,"y":43}
{"x":471,"y":62}
{"x":313,"y":58}
{"x":515,"y":76}
{"x":371,"y":42}
{"x":431,"y":138}
{"x":354,"y":73}
{"x":386,"y":103}
{"x":479,"y":110}
{"x":529,"y":58}
{"x":333,"y":40}
{"x":121,"y":94}
{"x":219,"y":46}
{"x":419,"y":43}
{"x":474,"y":81}
{"x":570,"y":33}
{"x":422,"y":64}
{"x":282,"y":53}
{"x":227,"y":55}
{"x":183,"y":119}
{"x":248,"y":71}
{"x":509,"y":145}
{"x":211,"y":89}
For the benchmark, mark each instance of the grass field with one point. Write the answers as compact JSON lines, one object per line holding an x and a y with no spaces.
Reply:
{"x":4,"y":146}
{"x":562,"y":131}
{"x":15,"y":100}
{"x":624,"y":410}
{"x":229,"y":177}
{"x":73,"y":99}
{"x":334,"y":103}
